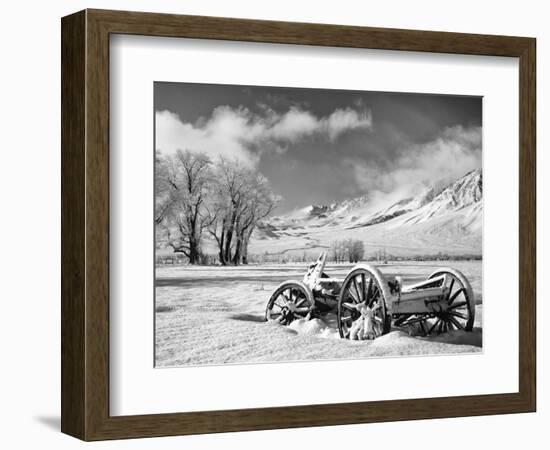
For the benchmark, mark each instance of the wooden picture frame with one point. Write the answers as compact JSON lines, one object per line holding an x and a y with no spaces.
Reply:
{"x":85,"y":224}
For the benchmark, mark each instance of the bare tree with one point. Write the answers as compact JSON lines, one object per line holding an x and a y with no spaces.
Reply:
{"x":260,"y":202}
{"x":183,"y":180}
{"x":355,"y":250}
{"x":163,"y":189}
{"x":240,"y":198}
{"x":352,"y":250}
{"x":224,"y":205}
{"x":337,"y":251}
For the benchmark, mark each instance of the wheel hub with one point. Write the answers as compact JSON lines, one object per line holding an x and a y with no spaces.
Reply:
{"x":286,"y":315}
{"x":291,"y":307}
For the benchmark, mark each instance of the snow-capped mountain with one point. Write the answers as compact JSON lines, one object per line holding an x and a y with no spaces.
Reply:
{"x":447,"y":218}
{"x":464,"y":192}
{"x":345,"y":211}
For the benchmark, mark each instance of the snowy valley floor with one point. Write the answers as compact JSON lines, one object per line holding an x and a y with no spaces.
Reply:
{"x":215,"y":315}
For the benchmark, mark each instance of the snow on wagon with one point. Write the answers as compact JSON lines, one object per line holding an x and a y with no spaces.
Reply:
{"x":366,"y":302}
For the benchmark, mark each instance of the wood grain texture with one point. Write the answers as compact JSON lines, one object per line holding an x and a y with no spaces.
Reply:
{"x":527,"y":225}
{"x":85,"y":224}
{"x":73,"y":111}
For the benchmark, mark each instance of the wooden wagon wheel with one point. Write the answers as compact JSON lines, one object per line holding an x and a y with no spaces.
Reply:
{"x":363,"y":284}
{"x":460,"y":313}
{"x":291,"y":300}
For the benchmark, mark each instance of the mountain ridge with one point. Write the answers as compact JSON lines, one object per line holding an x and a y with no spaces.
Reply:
{"x":446,"y":218}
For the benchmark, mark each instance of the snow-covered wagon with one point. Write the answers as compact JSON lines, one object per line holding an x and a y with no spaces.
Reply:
{"x":366,"y":302}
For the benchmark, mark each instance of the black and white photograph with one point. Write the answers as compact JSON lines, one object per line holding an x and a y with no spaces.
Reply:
{"x":301,"y":224}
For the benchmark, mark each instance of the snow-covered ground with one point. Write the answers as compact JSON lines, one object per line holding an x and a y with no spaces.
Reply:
{"x":215,"y":315}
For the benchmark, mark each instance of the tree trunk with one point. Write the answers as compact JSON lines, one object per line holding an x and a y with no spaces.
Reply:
{"x":246,"y":240}
{"x":220,"y":249}
{"x":193,"y":240}
{"x":245,"y":253}
{"x":238,"y":247}
{"x":193,"y":247}
{"x":228,"y":239}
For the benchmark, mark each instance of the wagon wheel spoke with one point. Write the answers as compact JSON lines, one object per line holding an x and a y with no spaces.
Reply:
{"x":299,"y":311}
{"x":458,"y":305}
{"x":353,"y":314}
{"x":450,"y":289}
{"x":456,"y":323}
{"x":349,"y":295}
{"x":457,"y":314}
{"x":363,"y":288}
{"x":296,"y":298}
{"x":278,"y":306}
{"x":357,"y":289}
{"x":281,"y":301}
{"x":375,"y":292}
{"x":456,"y":294}
{"x":353,"y":298}
{"x":436,"y":322}
{"x":277,"y":316}
{"x":349,"y":306}
{"x":369,"y":290}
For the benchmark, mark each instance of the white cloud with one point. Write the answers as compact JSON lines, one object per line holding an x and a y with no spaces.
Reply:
{"x":342,"y":120}
{"x":292,"y":126}
{"x":243,"y":135}
{"x":454,"y":153}
{"x":223,"y":133}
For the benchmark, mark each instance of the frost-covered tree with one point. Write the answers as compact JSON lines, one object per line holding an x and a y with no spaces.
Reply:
{"x":182,"y":182}
{"x":337,"y":251}
{"x":355,"y":250}
{"x":352,"y":250}
{"x":240,"y":198}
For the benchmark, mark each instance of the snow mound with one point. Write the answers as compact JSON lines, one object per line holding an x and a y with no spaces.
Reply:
{"x":314,"y":327}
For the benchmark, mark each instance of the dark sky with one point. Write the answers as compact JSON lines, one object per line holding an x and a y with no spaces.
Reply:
{"x":319,"y":145}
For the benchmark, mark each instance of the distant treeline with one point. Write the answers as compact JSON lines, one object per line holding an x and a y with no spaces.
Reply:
{"x":438,"y":257}
{"x":378,"y":256}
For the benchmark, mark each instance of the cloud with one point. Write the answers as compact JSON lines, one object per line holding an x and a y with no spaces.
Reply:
{"x":241,"y":134}
{"x":343,"y":120}
{"x":456,"y":151}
